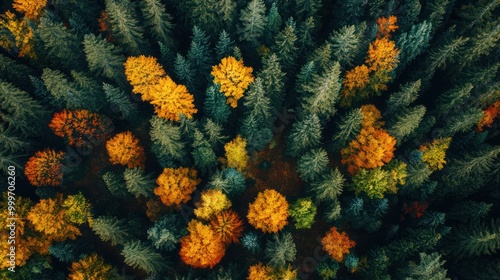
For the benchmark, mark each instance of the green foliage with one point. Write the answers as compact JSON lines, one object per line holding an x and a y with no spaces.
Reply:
{"x":475,"y":239}
{"x":158,"y":20}
{"x":469,"y":211}
{"x":366,"y":215}
{"x":312,"y":165}
{"x":111,"y":229}
{"x":184,"y":71}
{"x":229,"y":181}
{"x":430,"y":267}
{"x":251,"y":242}
{"x":381,"y":180}
{"x":104,"y":58}
{"x":257,"y":103}
{"x":303,"y":212}
{"x":215,"y":106}
{"x":120,"y":102}
{"x":329,"y":187}
{"x":274,"y":22}
{"x":401,"y":99}
{"x":64,"y":252}
{"x":253,"y":22}
{"x":304,"y":135}
{"x":285,"y":45}
{"x":166,"y":232}
{"x":345,"y":45}
{"x":406,"y":122}
{"x":167,"y":137}
{"x":203,"y":154}
{"x":305,"y":35}
{"x":348,"y":128}
{"x":138,"y":254}
{"x":138,"y":182}
{"x":257,"y":135}
{"x":413,"y":43}
{"x":115,"y":184}
{"x":229,"y":272}
{"x":204,"y":13}
{"x":327,"y":270}
{"x":280,"y":249}
{"x":224,"y":46}
{"x":199,"y":54}
{"x":462,"y":121}
{"x":14,"y":72}
{"x":272,"y":78}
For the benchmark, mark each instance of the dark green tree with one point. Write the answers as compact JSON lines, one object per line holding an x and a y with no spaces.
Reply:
{"x":158,"y":21}
{"x":252,"y":22}
{"x":224,"y":46}
{"x":401,"y":99}
{"x":413,"y":43}
{"x":285,"y":45}
{"x":215,"y":106}
{"x":184,"y":71}
{"x":167,"y":137}
{"x":345,"y":45}
{"x":273,"y":25}
{"x":199,"y":54}
{"x":406,"y":122}
{"x":214,"y":133}
{"x":120,"y":102}
{"x":429,"y":267}
{"x":166,"y":232}
{"x":111,"y":229}
{"x":281,"y":249}
{"x":469,"y":211}
{"x":140,"y":255}
{"x":273,"y":82}
{"x":306,"y":35}
{"x":115,"y":184}
{"x":138,"y":182}
{"x":104,"y":58}
{"x":304,"y":135}
{"x":453,"y":100}
{"x":257,"y":134}
{"x":203,"y":154}
{"x":434,"y":13}
{"x":63,"y":251}
{"x":475,"y":239}
{"x":348,"y":128}
{"x":312,"y":165}
{"x":229,"y":181}
{"x":329,"y":187}
{"x":15,"y":73}
{"x":257,"y":103}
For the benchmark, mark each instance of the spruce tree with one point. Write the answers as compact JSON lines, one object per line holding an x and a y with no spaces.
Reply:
{"x":476,"y":239}
{"x":345,"y":45}
{"x":140,"y":255}
{"x":158,"y":21}
{"x":138,"y":182}
{"x":329,"y":187}
{"x":224,"y":46}
{"x":252,"y":22}
{"x":167,"y":137}
{"x":115,"y":184}
{"x":305,"y":35}
{"x":413,"y":43}
{"x":166,"y":232}
{"x":401,"y":99}
{"x":199,"y":54}
{"x":226,"y":10}
{"x":204,"y":13}
{"x":312,"y":165}
{"x":469,"y":211}
{"x":273,"y":25}
{"x":214,"y":133}
{"x":281,"y":249}
{"x":63,"y":251}
{"x":406,"y":122}
{"x":434,"y":13}
{"x":104,"y":58}
{"x":15,"y":72}
{"x":111,"y":229}
{"x":203,"y":154}
{"x":216,"y":107}
{"x":120,"y":102}
{"x":304,"y":135}
{"x":285,"y":45}
{"x":272,"y":78}
{"x":257,"y":134}
{"x":257,"y":103}
{"x":430,"y":267}
{"x":462,"y":122}
{"x":184,"y":71}
{"x":66,"y":94}
{"x":348,"y":128}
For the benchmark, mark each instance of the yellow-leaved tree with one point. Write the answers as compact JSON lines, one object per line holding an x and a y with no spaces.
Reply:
{"x":233,"y":78}
{"x":175,"y":186}
{"x":143,"y":73}
{"x":32,"y":9}
{"x":21,"y":38}
{"x":269,"y":211}
{"x":92,"y":267}
{"x":434,"y":153}
{"x":202,"y":247}
{"x":170,"y":100}
{"x":212,"y":202}
{"x":125,"y":149}
{"x":236,"y":153}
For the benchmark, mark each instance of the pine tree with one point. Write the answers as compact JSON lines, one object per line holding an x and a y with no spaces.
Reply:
{"x":184,"y":71}
{"x":227,"y":9}
{"x":213,"y":131}
{"x":434,"y":13}
{"x":203,"y":154}
{"x":329,"y":187}
{"x":158,"y":21}
{"x":305,"y":76}
{"x":446,"y":52}
{"x":229,"y":181}
{"x":110,"y":228}
{"x":216,"y":107}
{"x":273,"y":80}
{"x":476,"y":239}
{"x":63,"y":251}
{"x":250,"y":241}
{"x":253,"y":22}
{"x":115,"y":184}
{"x":120,"y":102}
{"x":104,"y":58}
{"x":14,"y":72}
{"x":323,"y":93}
{"x":204,"y":13}
{"x":430,"y":267}
{"x":224,"y":46}
{"x":312,"y":165}
{"x":453,"y":99}
{"x":462,"y":122}
{"x":257,"y":103}
{"x":281,"y":249}
{"x":401,"y":99}
{"x":413,"y":43}
{"x":138,"y":183}
{"x":199,"y":54}
{"x":406,"y":122}
{"x":345,"y":45}
{"x":167,"y":137}
{"x":304,"y":135}
{"x":125,"y":26}
{"x":305,"y":35}
{"x":166,"y":232}
{"x":61,"y":43}
{"x":258,"y":135}
{"x":348,"y":128}
{"x":140,"y":255}
{"x":469,"y":211}
{"x":273,"y":25}
{"x":408,"y":14}
{"x":10,"y":142}
{"x":307,"y":8}
{"x":285,"y":45}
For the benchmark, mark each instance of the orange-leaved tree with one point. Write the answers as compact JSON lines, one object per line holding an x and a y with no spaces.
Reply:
{"x":489,"y":116}
{"x":81,"y":127}
{"x":337,"y":244}
{"x":269,"y":211}
{"x":260,"y":272}
{"x":202,"y":247}
{"x":125,"y":149}
{"x":434,"y":153}
{"x":32,"y":9}
{"x":372,"y":148}
{"x":236,"y":153}
{"x":371,"y":116}
{"x":45,"y":168}
{"x":233,"y":78}
{"x":212,"y":202}
{"x":175,"y":186}
{"x":170,"y":100}
{"x":386,"y":26}
{"x":48,"y":217}
{"x":228,"y":225}
{"x":91,"y":267}
{"x":143,"y":73}
{"x":354,"y":82}
{"x":21,"y":38}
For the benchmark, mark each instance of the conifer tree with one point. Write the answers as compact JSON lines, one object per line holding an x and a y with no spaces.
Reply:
{"x":257,"y":103}
{"x":228,"y":180}
{"x":434,"y":13}
{"x":413,"y":43}
{"x":406,"y":122}
{"x":476,"y":239}
{"x":63,"y":251}
{"x":125,"y":26}
{"x":273,"y":80}
{"x":281,"y":249}
{"x":15,"y":72}
{"x":285,"y":45}
{"x":348,"y":127}
{"x":115,"y":184}
{"x":462,"y":121}
{"x":305,"y":35}
{"x":312,"y":165}
{"x":203,"y":154}
{"x":401,"y":99}
{"x":257,"y":134}
{"x":158,"y":21}
{"x":199,"y":54}
{"x":214,"y":133}
{"x":303,"y":212}
{"x":224,"y":46}
{"x":451,"y":100}
{"x":167,"y":136}
{"x":120,"y":102}
{"x":111,"y":229}
{"x":138,"y":183}
{"x":429,"y":267}
{"x":345,"y":45}
{"x":304,"y":135}
{"x":469,"y":211}
{"x":252,"y":22}
{"x":273,"y":24}
{"x":227,"y":9}
{"x":204,"y":14}
{"x":104,"y":58}
{"x":166,"y":232}
{"x":215,"y":106}
{"x":329,"y":187}
{"x":140,"y":255}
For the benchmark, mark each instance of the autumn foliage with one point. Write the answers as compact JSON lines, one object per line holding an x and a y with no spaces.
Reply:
{"x":202,"y":247}
{"x":337,"y":244}
{"x":32,"y":9}
{"x":371,"y":116}
{"x":143,"y":73}
{"x":236,"y":153}
{"x":434,"y":153}
{"x":21,"y":37}
{"x":90,"y":267}
{"x":45,"y":168}
{"x":489,"y":116}
{"x":260,"y":272}
{"x":175,"y":186}
{"x":228,"y":226}
{"x":386,"y":26}
{"x":269,"y":211}
{"x":212,"y":202}
{"x":80,"y":127}
{"x":125,"y":149}
{"x":233,"y":78}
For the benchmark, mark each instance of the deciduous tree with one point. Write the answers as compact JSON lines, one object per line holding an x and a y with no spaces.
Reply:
{"x":233,"y":78}
{"x":143,"y":73}
{"x":175,"y":186}
{"x":228,"y":225}
{"x":236,"y":153}
{"x":92,"y":267}
{"x":212,"y":202}
{"x":337,"y":244}
{"x":125,"y":149}
{"x":434,"y":153}
{"x":202,"y":247}
{"x":45,"y":168}
{"x":269,"y":211}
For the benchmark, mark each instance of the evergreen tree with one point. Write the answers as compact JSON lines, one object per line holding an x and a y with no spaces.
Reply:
{"x":406,"y":122}
{"x":303,"y":212}
{"x":203,"y":154}
{"x":111,"y":229}
{"x":469,"y":211}
{"x":304,"y":135}
{"x":138,"y":254}
{"x":216,"y":107}
{"x":401,"y":99}
{"x":199,"y":54}
{"x":15,"y":73}
{"x":462,"y":122}
{"x":167,"y":137}
{"x":125,"y":26}
{"x":307,"y":8}
{"x":253,"y":22}
{"x":434,"y":13}
{"x":104,"y":58}
{"x":281,"y":249}
{"x":285,"y":45}
{"x":453,"y":99}
{"x":305,"y":76}
{"x":312,"y":165}
{"x":204,"y":13}
{"x":273,"y":25}
{"x":408,"y":14}
{"x":272,"y":78}
{"x":351,"y":11}
{"x":474,"y":240}
{"x":65,"y":92}
{"x":322,"y":57}
{"x":345,"y":45}
{"x":250,"y":241}
{"x":11,"y":142}
{"x":329,"y":187}
{"x":257,"y":135}
{"x":227,"y":9}
{"x":158,"y":21}
{"x":323,"y":93}
{"x":63,"y":251}
{"x":413,"y":43}
{"x":166,"y":232}
{"x":224,"y":46}
{"x":257,"y":103}
{"x":138,"y":183}
{"x":430,"y":267}
{"x":229,"y":181}
{"x":120,"y":102}
{"x":305,"y":35}
{"x":184,"y":71}
{"x":115,"y":184}
{"x":213,"y":131}
{"x":348,"y":128}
